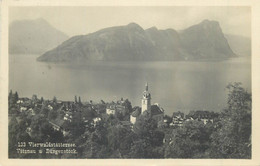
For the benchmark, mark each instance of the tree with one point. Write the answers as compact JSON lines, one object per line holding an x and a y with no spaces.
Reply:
{"x":76,"y":126}
{"x":13,"y":128}
{"x":16,"y":97}
{"x":189,"y":141}
{"x":168,"y":120}
{"x":10,"y":94}
{"x":239,"y":100}
{"x":44,"y":111}
{"x":128,"y":106}
{"x":92,"y":148}
{"x":76,"y":101}
{"x":95,"y":143}
{"x":52,"y":114}
{"x":148,"y":138}
{"x":54,"y":99}
{"x":144,"y":126}
{"x":17,"y":133}
{"x":42,"y":100}
{"x":80,"y":100}
{"x":42,"y":130}
{"x":233,"y":138}
{"x":12,"y":98}
{"x":34,"y":98}
{"x":120,"y":139}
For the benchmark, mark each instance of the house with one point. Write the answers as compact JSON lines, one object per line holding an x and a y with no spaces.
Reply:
{"x":111,"y":110}
{"x":205,"y":120}
{"x":177,"y":119}
{"x":55,"y":126}
{"x":50,"y":107}
{"x":23,"y":100}
{"x":29,"y":131}
{"x":31,"y":111}
{"x":68,"y":116}
{"x":65,"y":132}
{"x":22,"y":109}
{"x":157,"y":112}
{"x":178,"y":115}
{"x":135,"y":114}
{"x":119,"y":110}
{"x":96,"y":120}
{"x":204,"y":116}
{"x":19,"y":101}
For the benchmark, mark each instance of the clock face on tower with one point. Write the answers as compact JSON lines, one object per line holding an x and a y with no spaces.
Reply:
{"x":146,"y":95}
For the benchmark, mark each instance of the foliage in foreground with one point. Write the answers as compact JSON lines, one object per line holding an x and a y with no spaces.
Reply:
{"x":229,"y":136}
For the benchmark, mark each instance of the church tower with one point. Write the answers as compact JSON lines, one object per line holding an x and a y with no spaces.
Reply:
{"x":146,"y":100}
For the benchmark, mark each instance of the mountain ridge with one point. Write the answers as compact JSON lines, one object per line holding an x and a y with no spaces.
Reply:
{"x":33,"y":36}
{"x":131,"y":42}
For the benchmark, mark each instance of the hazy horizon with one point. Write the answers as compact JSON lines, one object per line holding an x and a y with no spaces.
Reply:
{"x":83,"y":20}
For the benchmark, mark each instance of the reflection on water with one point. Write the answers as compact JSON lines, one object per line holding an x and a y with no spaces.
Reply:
{"x":175,"y":86}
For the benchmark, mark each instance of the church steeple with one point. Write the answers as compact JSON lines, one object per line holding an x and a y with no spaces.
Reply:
{"x":146,"y":100}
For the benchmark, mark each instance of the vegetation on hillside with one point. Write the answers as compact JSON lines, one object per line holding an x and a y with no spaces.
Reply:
{"x":229,"y":136}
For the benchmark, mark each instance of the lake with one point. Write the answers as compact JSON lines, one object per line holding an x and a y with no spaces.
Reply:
{"x":176,"y":86}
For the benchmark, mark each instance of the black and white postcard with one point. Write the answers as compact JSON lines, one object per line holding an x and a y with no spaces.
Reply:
{"x":131,"y":81}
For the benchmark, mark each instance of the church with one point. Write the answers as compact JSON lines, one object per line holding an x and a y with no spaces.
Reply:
{"x":155,"y":111}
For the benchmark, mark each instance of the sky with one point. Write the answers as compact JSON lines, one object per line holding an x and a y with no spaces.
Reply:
{"x":83,"y":20}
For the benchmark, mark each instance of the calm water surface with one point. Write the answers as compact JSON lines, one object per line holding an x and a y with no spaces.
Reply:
{"x":175,"y":86}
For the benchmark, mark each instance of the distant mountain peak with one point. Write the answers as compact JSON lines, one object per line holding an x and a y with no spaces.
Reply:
{"x":205,"y":26}
{"x":33,"y":36}
{"x":154,"y":28}
{"x":42,"y":20}
{"x":206,"y":21}
{"x":134,"y":26}
{"x":131,"y":42}
{"x":210,"y":24}
{"x":206,"y":39}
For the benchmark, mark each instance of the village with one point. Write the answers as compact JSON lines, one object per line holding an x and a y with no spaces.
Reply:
{"x":119,"y":130}
{"x":61,"y":113}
